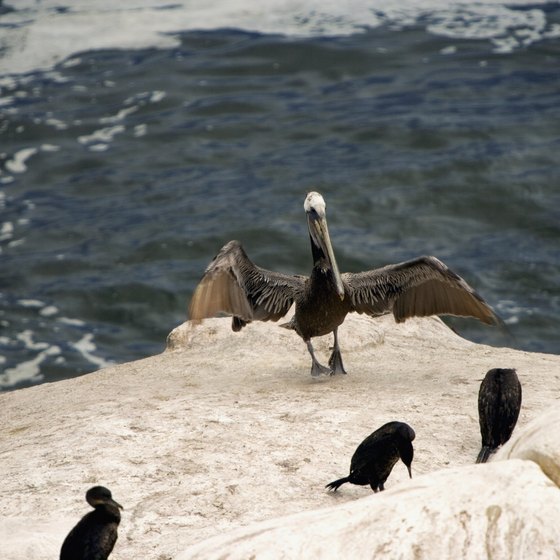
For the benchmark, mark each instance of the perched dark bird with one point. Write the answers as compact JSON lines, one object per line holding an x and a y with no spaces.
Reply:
{"x":94,"y":537}
{"x":424,"y":286}
{"x":376,"y":456}
{"x":499,"y":403}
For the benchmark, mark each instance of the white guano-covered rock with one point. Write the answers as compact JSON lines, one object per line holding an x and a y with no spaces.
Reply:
{"x":228,"y":429}
{"x":500,"y":511}
{"x":539,"y":441}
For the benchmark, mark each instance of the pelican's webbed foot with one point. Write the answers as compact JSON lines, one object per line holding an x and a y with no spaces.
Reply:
{"x":335,"y":361}
{"x":317,"y":369}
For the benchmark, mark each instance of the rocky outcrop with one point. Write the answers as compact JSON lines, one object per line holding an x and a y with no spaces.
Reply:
{"x":228,"y":432}
{"x":498,"y":510}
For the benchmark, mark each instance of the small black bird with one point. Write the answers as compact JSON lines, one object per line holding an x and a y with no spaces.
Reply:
{"x":499,"y":402}
{"x":376,"y":456}
{"x":94,"y":537}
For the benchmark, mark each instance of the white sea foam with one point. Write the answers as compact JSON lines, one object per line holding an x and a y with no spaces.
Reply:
{"x":16,"y":242}
{"x":98,"y":147}
{"x":103,"y":135}
{"x":56,"y":123}
{"x":29,"y":370}
{"x":49,"y":148}
{"x":18,"y":162}
{"x":72,"y":322}
{"x":7,"y":82}
{"x":6,"y":231}
{"x":157,"y":96}
{"x":86,"y":347}
{"x":30,"y":303}
{"x":120,"y":116}
{"x":48,"y":311}
{"x":6,"y":101}
{"x":512,"y":310}
{"x":37,"y":35}
{"x":451,"y":49}
{"x":27,"y":338}
{"x":140,"y":130}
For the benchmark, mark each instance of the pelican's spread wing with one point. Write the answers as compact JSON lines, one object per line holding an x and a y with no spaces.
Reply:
{"x":416,"y":288}
{"x":233,"y":285}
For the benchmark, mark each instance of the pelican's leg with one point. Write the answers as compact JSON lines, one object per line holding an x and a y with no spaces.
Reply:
{"x":316,"y":368}
{"x":335,"y":361}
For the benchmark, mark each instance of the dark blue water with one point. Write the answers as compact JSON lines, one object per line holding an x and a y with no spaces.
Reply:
{"x":123,"y":172}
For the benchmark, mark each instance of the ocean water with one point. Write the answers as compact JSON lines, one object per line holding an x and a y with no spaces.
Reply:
{"x":136,"y":140}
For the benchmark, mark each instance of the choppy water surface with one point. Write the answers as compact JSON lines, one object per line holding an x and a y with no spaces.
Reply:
{"x":122,"y":172}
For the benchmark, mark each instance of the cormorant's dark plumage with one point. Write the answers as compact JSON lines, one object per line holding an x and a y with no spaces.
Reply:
{"x":94,"y":537}
{"x":232,"y":284}
{"x":499,"y":403}
{"x":376,"y":456}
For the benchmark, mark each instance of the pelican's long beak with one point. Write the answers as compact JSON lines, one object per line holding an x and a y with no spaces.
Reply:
{"x":319,"y":232}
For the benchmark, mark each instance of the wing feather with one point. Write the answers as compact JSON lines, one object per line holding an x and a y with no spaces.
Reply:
{"x":416,"y":288}
{"x":233,"y":285}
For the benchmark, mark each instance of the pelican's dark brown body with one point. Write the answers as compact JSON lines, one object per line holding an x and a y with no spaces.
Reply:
{"x":319,"y":308}
{"x":234,"y":285}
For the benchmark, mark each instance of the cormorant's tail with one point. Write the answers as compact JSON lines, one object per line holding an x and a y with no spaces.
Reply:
{"x":336,"y":483}
{"x":484,"y":454}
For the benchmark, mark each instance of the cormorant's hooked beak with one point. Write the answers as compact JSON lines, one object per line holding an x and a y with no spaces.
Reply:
{"x":104,"y":501}
{"x":406,"y":452}
{"x":108,"y":502}
{"x":319,"y":233}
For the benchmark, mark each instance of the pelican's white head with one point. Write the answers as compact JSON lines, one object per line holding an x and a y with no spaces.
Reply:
{"x":315,"y":202}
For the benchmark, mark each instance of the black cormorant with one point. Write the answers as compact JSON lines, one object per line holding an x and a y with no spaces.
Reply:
{"x":424,"y":286}
{"x":94,"y":537}
{"x":499,"y":403}
{"x":376,"y":456}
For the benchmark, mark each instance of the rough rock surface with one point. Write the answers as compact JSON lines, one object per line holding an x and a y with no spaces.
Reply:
{"x":229,"y":429}
{"x":485,"y":511}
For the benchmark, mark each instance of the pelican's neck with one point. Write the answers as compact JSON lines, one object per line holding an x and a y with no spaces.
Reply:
{"x":320,"y":260}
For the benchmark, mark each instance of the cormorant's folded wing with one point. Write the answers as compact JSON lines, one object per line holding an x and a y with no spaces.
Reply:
{"x":416,"y":288}
{"x":233,"y":285}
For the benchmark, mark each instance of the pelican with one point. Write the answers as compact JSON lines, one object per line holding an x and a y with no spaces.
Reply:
{"x":234,"y":285}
